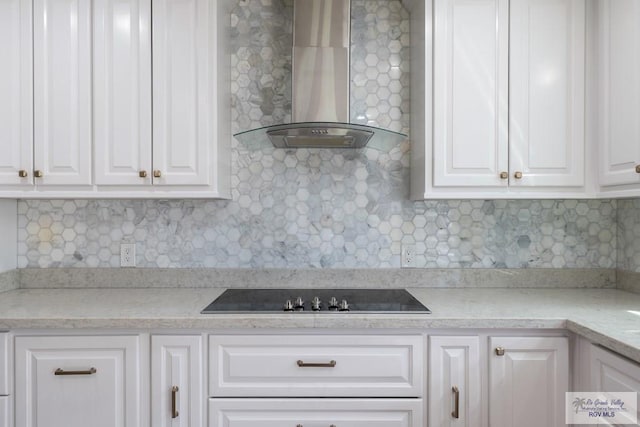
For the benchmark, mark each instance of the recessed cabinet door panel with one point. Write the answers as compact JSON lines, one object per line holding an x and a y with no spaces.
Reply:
{"x":77,"y":382}
{"x":122,"y":91}
{"x":470,"y":92}
{"x":454,"y":382}
{"x":16,"y":92}
{"x":181,"y":91}
{"x":4,"y":411}
{"x":177,"y":381}
{"x":619,"y":91}
{"x":528,"y":381}
{"x":546,"y":92}
{"x":62,"y":91}
{"x":4,"y":364}
{"x":315,"y":412}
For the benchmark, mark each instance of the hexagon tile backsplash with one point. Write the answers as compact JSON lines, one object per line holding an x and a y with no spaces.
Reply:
{"x":629,"y":235}
{"x":319,"y":208}
{"x":337,"y":225}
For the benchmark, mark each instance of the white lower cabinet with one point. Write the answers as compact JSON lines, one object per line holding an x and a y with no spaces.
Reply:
{"x":177,"y":381}
{"x":610,"y":372}
{"x":455,"y":393}
{"x":4,"y":364}
{"x":315,"y":412}
{"x":528,"y":380}
{"x":4,"y":411}
{"x":77,"y":381}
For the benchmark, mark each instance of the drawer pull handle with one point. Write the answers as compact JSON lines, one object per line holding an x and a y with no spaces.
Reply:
{"x":174,"y":393}
{"x":456,"y":402}
{"x":300,"y":425}
{"x":303,"y":364}
{"x":63,"y":372}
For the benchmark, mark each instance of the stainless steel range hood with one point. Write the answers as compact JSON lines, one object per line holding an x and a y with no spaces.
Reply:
{"x":321,"y":85}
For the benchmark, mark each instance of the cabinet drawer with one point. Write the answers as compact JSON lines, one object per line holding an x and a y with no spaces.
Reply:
{"x":78,"y":381}
{"x":316,"y":366}
{"x":4,"y":364}
{"x":315,"y":412}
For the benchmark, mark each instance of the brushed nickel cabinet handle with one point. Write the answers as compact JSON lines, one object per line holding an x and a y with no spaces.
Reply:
{"x":303,"y":364}
{"x":142,"y":174}
{"x":517,"y":175}
{"x":38,"y":174}
{"x":456,"y":402}
{"x":174,"y":393}
{"x":504,"y":175}
{"x":157,"y":174}
{"x":499,"y":351}
{"x":90,"y":371}
{"x":638,"y":169}
{"x":22,"y":173}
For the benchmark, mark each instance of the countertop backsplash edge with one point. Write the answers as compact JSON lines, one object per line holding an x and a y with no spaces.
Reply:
{"x":36,"y":278}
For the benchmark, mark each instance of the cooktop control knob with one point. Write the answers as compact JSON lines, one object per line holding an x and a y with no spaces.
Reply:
{"x":288,"y":305}
{"x":344,"y":305}
{"x":315,"y":304}
{"x":299,"y":304}
{"x":333,"y":304}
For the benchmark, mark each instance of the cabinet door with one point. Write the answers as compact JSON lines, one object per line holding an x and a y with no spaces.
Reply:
{"x":122,"y":91}
{"x":62,"y":91}
{"x":610,"y":372}
{"x":177,"y":381}
{"x":16,"y":92}
{"x":470,"y":146}
{"x":4,"y":411}
{"x":454,"y":382}
{"x":182,"y":91}
{"x":4,"y":364}
{"x":619,"y":76}
{"x":546,"y":93}
{"x":315,"y":412}
{"x":77,"y":382}
{"x":528,"y":381}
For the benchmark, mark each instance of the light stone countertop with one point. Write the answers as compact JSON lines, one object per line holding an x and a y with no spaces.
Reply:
{"x":605,"y":316}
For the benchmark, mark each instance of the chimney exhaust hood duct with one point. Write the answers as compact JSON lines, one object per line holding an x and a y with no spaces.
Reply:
{"x":321,"y":85}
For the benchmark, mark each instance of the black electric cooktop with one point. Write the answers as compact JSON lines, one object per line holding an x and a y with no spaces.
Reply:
{"x":316,"y":301}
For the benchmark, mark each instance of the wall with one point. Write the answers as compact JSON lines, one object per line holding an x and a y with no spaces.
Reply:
{"x":319,"y":208}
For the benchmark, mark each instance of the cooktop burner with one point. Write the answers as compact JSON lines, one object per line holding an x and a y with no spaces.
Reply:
{"x":316,"y":301}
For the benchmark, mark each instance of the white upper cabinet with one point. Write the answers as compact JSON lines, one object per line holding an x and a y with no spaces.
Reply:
{"x":619,"y":92}
{"x":507,"y":118}
{"x":115,"y":99}
{"x":16,"y":92}
{"x":546,"y":99}
{"x":470,"y":133}
{"x":122,"y":91}
{"x":183,"y":91}
{"x":62,"y":92}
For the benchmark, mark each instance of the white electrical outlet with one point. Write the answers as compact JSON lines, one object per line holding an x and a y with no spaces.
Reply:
{"x":408,"y":256}
{"x":127,"y":255}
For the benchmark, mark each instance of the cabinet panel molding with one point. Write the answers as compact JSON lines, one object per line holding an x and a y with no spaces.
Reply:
{"x":470,"y":92}
{"x":122,"y":91}
{"x":528,"y":369}
{"x":78,"y":381}
{"x":547,"y":92}
{"x":455,"y":362}
{"x":619,"y":91}
{"x":62,"y":92}
{"x":16,"y":92}
{"x":176,"y":361}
